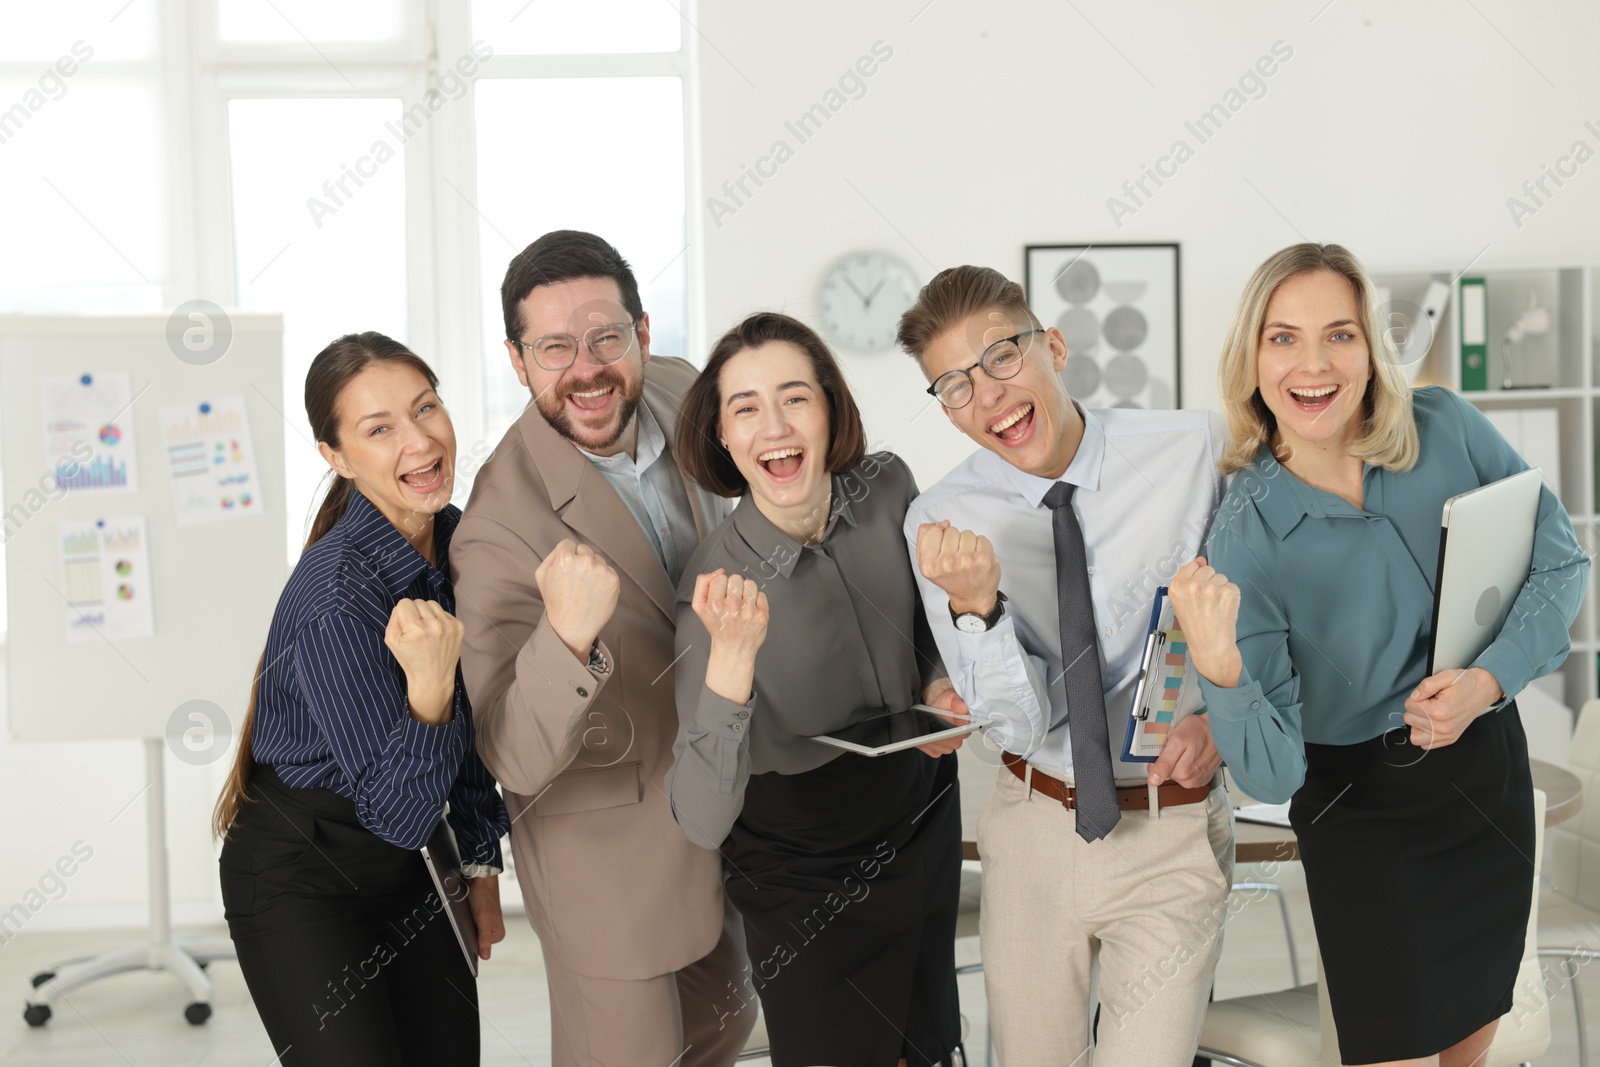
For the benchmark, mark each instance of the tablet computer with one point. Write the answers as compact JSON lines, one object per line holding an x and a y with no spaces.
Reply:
{"x":444,"y":866}
{"x":1485,"y":556}
{"x":897,"y":730}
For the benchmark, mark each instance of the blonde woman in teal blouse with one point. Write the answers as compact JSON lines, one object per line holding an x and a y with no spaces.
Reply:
{"x":1309,"y":620}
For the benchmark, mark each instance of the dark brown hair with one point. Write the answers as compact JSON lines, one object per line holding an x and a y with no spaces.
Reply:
{"x":954,"y":294}
{"x":702,"y":458}
{"x":330,"y":372}
{"x":560,"y":256}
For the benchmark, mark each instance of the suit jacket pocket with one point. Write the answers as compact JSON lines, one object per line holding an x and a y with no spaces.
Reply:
{"x":592,"y":788}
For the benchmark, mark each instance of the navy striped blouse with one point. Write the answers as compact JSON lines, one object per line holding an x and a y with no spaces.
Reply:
{"x":332,"y":711}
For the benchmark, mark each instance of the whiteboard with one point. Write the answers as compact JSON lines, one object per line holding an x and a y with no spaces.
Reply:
{"x":212,"y":585}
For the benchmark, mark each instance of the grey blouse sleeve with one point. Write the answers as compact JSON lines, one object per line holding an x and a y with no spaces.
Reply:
{"x":711,"y":757}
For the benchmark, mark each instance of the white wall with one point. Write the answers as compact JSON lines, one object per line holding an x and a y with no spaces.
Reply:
{"x":1397,"y":130}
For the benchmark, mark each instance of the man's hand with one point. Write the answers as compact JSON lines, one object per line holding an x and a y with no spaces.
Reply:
{"x":483,"y":896}
{"x":1443,"y":705}
{"x":941,"y":693}
{"x":961,"y":563}
{"x":1207,"y":607}
{"x":1189,"y":757}
{"x":580,"y":591}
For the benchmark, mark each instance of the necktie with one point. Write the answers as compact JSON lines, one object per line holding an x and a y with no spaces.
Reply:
{"x":1096,"y":787}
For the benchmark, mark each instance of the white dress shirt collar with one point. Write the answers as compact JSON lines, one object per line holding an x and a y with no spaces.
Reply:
{"x":1083,"y":471}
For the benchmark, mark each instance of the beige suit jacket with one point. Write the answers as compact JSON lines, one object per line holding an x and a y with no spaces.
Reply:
{"x":613,"y":887}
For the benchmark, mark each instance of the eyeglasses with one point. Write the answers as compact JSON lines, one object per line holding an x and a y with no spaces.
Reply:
{"x":558,"y":351}
{"x":1000,"y":361}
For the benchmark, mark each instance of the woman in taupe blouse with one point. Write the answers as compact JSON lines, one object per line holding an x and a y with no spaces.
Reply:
{"x":799,"y":615}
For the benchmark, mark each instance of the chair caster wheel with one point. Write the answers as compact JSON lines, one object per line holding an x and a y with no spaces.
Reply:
{"x":197,"y":1013}
{"x":36,"y":1014}
{"x":42,"y":977}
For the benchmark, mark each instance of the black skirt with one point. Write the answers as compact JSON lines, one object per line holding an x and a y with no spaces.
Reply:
{"x":1419,"y":865}
{"x":848,"y":878}
{"x":342,"y":940}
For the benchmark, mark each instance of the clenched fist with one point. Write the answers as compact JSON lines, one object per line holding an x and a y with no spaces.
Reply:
{"x":426,"y":640}
{"x":1207,"y":606}
{"x":961,"y":563}
{"x":733,"y":610}
{"x":580,"y":591}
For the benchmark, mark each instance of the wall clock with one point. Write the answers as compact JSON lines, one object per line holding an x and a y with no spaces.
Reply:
{"x":862,"y":297}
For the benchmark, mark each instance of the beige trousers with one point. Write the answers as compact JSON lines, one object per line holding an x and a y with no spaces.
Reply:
{"x":1147,"y":902}
{"x":685,"y":1019}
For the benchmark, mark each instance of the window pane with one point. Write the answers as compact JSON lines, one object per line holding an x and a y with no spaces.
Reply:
{"x":318,"y":240}
{"x":265,"y":21}
{"x":84,"y":179}
{"x":107,"y":29}
{"x":533,"y":179}
{"x":560,"y":27}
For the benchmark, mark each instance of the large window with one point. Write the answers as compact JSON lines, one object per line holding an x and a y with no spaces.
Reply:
{"x":353,"y":167}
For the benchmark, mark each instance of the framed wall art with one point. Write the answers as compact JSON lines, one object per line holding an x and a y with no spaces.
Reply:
{"x":1117,"y":307}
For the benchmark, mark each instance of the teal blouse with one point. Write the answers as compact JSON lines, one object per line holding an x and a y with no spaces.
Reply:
{"x":1336,"y":606}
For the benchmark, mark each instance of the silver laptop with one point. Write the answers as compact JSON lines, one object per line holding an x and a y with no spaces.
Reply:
{"x":1485,"y":556}
{"x":444,"y":864}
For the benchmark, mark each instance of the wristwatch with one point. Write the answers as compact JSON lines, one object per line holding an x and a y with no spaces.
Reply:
{"x":970,"y":622}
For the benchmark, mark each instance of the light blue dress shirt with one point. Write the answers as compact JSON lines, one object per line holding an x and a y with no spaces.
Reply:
{"x":654,"y":494}
{"x":1336,"y":610}
{"x":1147,"y":485}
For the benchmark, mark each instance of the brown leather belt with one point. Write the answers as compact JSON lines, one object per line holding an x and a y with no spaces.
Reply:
{"x":1169,"y":794}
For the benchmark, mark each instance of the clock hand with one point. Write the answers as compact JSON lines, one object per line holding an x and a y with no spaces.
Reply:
{"x":867,"y":300}
{"x":853,"y":289}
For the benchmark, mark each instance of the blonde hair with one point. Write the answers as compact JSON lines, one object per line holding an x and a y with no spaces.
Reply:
{"x":1389,"y":430}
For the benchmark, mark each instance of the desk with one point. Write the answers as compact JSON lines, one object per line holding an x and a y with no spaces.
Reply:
{"x":1259,"y":843}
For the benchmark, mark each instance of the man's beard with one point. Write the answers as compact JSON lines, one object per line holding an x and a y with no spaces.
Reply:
{"x":553,"y":406}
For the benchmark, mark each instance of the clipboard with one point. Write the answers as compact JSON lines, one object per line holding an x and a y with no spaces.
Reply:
{"x":1169,"y":689}
{"x":443,"y":860}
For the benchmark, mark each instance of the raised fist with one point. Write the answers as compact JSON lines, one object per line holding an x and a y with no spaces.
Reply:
{"x":734,"y":611}
{"x":580,"y":591}
{"x":1207,"y":606}
{"x":426,"y":641}
{"x":961,"y":563}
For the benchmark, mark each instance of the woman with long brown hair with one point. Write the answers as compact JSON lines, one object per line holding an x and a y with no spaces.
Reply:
{"x":358,"y":733}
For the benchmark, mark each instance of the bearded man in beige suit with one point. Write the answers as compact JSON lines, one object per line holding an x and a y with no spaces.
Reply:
{"x":565,"y":563}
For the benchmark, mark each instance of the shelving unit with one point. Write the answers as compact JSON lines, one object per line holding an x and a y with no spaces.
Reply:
{"x":1573,"y":394}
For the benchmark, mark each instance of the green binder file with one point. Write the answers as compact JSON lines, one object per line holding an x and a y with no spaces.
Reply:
{"x":1474,"y":335}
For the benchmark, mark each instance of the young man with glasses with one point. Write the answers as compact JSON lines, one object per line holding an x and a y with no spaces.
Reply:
{"x":1043,"y":551}
{"x":566,"y":562}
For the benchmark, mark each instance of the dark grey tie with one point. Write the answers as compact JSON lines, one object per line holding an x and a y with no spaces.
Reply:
{"x":1095,"y":785}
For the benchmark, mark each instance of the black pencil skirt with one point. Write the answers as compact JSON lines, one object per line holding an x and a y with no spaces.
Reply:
{"x":1419,"y":865}
{"x":848,"y":878}
{"x":342,"y":939}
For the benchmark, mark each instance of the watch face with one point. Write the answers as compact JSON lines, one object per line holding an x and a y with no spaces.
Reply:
{"x":862,"y":298}
{"x":971,"y":624}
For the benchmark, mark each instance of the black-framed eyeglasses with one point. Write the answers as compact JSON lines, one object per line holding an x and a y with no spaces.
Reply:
{"x":1000,"y":361}
{"x":558,"y":351}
